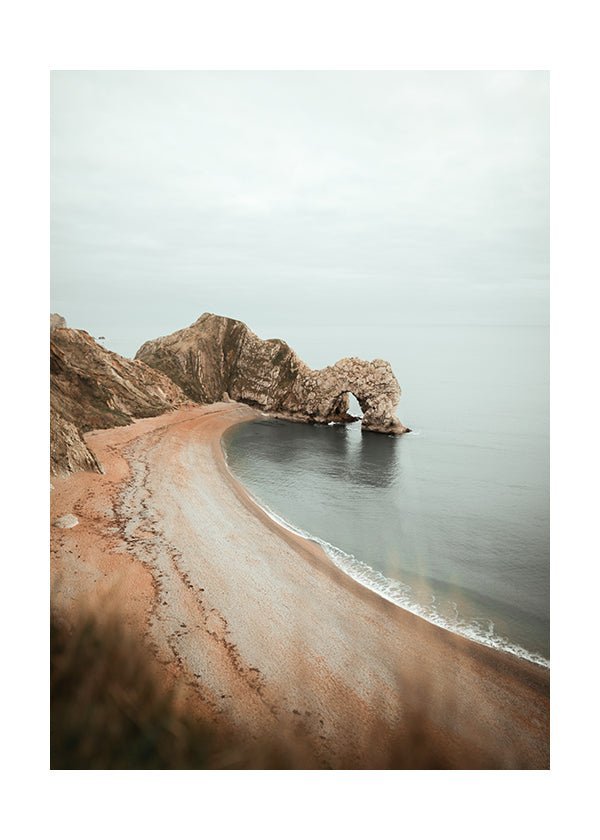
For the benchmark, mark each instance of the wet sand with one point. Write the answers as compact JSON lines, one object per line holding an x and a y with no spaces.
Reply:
{"x":268,"y":634}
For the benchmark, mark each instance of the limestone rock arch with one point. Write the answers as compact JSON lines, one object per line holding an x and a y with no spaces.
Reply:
{"x":216,"y":355}
{"x":372,"y":383}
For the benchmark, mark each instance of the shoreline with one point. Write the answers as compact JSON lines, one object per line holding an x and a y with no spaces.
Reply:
{"x":276,"y":634}
{"x":516,"y":651}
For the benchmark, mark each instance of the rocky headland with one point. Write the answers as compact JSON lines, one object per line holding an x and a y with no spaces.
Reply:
{"x":215,"y":358}
{"x":219,"y":357}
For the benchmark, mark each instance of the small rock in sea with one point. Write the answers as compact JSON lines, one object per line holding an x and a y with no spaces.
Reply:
{"x":66,"y":521}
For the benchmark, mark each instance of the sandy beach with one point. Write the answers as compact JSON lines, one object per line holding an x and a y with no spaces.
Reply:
{"x":269,"y":636}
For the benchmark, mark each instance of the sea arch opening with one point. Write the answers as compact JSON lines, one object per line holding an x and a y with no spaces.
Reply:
{"x":354,"y":406}
{"x":347,"y":407}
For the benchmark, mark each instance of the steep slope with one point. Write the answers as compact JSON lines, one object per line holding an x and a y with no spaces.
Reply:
{"x":93,"y":388}
{"x":217,"y":356}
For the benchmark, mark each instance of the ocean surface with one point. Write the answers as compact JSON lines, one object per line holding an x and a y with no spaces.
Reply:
{"x":450,"y":521}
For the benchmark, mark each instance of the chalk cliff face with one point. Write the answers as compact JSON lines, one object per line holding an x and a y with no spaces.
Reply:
{"x":92,"y":388}
{"x":219,"y":356}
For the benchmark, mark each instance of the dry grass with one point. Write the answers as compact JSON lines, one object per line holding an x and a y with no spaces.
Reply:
{"x":110,"y":708}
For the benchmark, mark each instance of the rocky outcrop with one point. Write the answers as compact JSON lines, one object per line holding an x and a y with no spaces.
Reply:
{"x":68,"y":451}
{"x":56,"y":321}
{"x":374,"y":385}
{"x":93,"y":388}
{"x":217,"y":357}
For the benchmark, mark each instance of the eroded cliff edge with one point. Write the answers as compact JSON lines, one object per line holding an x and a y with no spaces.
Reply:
{"x":219,"y":356}
{"x":93,"y":388}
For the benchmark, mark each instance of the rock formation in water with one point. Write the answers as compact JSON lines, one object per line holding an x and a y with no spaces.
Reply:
{"x":217,"y":357}
{"x":93,"y":388}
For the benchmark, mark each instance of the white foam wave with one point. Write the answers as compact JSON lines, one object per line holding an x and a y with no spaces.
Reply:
{"x":480,"y":630}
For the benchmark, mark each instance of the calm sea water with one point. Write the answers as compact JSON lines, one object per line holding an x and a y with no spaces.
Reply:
{"x":450,"y":521}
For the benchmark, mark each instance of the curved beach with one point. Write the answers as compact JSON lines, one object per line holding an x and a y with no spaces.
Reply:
{"x":270,"y":636}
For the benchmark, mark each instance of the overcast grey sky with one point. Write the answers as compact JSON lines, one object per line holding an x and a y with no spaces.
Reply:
{"x":341,"y":198}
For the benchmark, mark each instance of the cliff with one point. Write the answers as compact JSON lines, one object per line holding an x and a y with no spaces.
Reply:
{"x":93,"y":388}
{"x":219,"y":356}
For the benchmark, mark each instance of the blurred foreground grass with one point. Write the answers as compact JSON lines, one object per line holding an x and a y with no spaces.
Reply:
{"x":110,"y":709}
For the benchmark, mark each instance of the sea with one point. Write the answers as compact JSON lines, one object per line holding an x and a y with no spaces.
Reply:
{"x":450,"y":521}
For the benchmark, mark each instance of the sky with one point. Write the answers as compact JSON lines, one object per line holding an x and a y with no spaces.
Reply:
{"x":286,"y":199}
